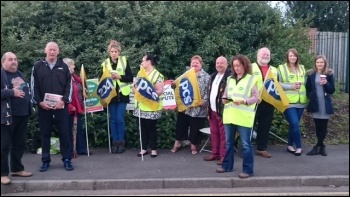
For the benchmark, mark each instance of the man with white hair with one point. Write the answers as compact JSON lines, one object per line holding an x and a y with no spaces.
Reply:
{"x":265,"y":111}
{"x":15,"y":111}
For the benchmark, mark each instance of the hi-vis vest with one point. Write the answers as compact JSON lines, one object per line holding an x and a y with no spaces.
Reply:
{"x":294,"y":96}
{"x":153,"y":76}
{"x":124,"y":88}
{"x":242,"y":115}
{"x":258,"y":74}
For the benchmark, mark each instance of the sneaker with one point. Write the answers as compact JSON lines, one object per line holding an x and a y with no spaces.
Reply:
{"x":68,"y":165}
{"x":5,"y":180}
{"x":45,"y":166}
{"x":263,"y":153}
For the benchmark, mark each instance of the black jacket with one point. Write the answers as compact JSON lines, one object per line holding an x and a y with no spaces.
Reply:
{"x":328,"y":88}
{"x":221,"y":90}
{"x":6,"y":94}
{"x":55,"y":81}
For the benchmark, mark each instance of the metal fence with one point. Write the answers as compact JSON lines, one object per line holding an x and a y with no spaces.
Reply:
{"x":335,"y":46}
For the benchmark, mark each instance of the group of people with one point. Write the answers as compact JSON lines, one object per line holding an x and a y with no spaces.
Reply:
{"x":230,"y":99}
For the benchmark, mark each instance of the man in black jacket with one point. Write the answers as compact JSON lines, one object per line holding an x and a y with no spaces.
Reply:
{"x":217,"y":85}
{"x":52,"y":75}
{"x":15,"y":111}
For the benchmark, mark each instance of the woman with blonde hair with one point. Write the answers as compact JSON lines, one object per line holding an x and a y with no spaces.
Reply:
{"x":292,"y":78}
{"x":319,"y":87}
{"x":122,"y":77}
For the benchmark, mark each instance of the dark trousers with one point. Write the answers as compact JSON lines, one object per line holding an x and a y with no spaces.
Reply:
{"x":183,"y":122}
{"x":13,"y":141}
{"x":47,"y":118}
{"x":263,"y":121}
{"x":149,"y":133}
{"x":80,"y":143}
{"x":217,"y":135}
{"x":321,"y":130}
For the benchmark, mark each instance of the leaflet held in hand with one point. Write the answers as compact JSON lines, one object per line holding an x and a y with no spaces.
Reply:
{"x":52,"y":99}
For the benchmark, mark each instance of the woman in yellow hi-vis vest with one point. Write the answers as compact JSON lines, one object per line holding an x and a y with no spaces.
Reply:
{"x":240,"y":98}
{"x":122,"y":77}
{"x":292,"y":78}
{"x":149,"y":117}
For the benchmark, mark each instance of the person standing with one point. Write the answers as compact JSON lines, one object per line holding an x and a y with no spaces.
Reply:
{"x":291,"y":76}
{"x":217,"y":85}
{"x":52,"y":75}
{"x":76,"y":109}
{"x":193,"y":117}
{"x":149,"y":117}
{"x":264,"y":111}
{"x":319,"y":87}
{"x":15,"y":112}
{"x":122,"y":78}
{"x":240,"y":97}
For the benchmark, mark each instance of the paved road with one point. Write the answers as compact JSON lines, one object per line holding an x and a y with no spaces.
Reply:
{"x":103,"y":170}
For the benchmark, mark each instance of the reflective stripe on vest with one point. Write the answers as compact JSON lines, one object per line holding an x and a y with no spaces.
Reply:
{"x":154,"y":76}
{"x":124,"y":88}
{"x":242,"y":115}
{"x":294,"y":96}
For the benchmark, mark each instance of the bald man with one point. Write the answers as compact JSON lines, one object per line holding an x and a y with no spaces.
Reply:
{"x":15,"y":111}
{"x":52,"y":75}
{"x":217,"y":85}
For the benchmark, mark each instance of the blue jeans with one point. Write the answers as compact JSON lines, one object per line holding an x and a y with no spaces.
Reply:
{"x":117,"y":119}
{"x":245,"y":134}
{"x":293,"y":116}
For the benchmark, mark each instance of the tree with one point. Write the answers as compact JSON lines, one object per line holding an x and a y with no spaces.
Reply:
{"x":324,"y":15}
{"x":172,"y":30}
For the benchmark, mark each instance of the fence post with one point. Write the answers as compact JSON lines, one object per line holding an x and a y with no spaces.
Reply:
{"x":347,"y":66}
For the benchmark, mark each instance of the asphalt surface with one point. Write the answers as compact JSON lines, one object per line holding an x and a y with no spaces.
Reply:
{"x":105,"y":171}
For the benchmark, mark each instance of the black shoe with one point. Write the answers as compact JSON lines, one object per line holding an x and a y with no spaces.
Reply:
{"x":140,"y":154}
{"x":323,"y":150}
{"x":68,"y":165}
{"x":291,"y":151}
{"x":154,"y":155}
{"x":314,"y":151}
{"x":44,"y":167}
{"x":298,"y":154}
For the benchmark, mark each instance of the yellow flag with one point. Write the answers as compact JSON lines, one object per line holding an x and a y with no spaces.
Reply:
{"x":84,"y":83}
{"x":145,"y":92}
{"x":187,"y":92}
{"x":273,"y":93}
{"x":105,"y":89}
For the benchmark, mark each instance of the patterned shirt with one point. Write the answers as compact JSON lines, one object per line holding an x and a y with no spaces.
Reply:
{"x":201,"y":111}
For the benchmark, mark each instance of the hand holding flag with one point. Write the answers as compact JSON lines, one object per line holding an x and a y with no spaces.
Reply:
{"x":273,"y":93}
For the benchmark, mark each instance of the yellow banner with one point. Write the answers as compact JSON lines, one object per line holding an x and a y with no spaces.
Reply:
{"x":105,"y":89}
{"x":145,"y":92}
{"x":273,"y":93}
{"x":83,"y":78}
{"x":187,"y":92}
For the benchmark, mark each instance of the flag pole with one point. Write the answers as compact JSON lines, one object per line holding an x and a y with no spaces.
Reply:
{"x":140,"y":130}
{"x":86,"y":132}
{"x":109,"y":137}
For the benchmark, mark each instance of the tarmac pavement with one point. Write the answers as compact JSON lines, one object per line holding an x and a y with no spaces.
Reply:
{"x":105,"y":171}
